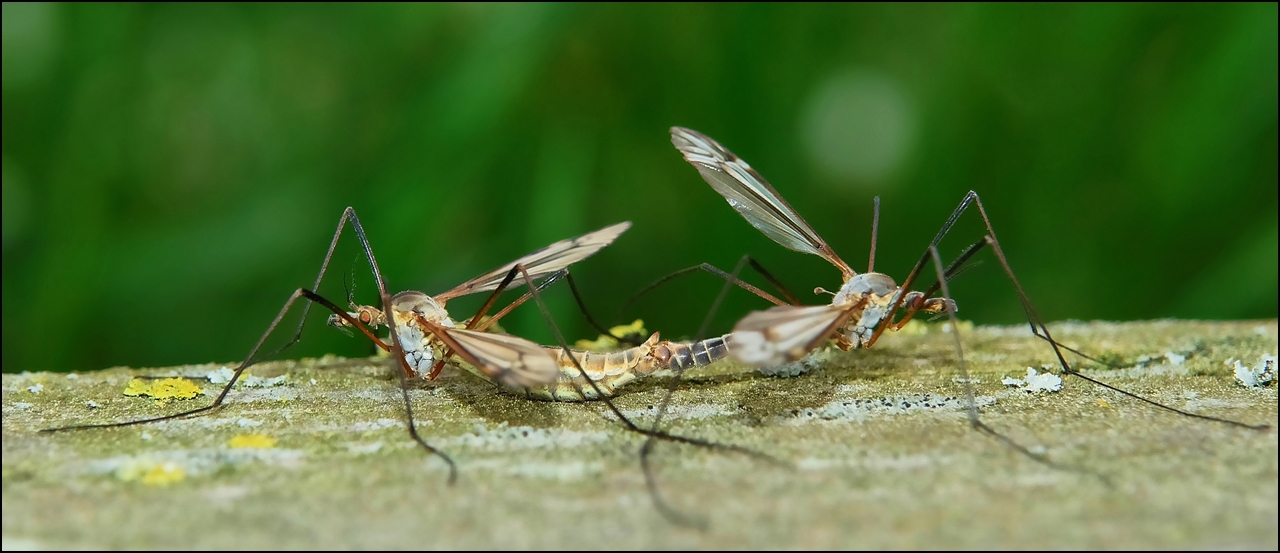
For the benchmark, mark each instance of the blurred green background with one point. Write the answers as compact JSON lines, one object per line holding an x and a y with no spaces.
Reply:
{"x":173,"y":172}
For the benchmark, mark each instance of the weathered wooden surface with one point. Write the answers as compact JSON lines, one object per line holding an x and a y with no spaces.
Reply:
{"x":876,"y":463}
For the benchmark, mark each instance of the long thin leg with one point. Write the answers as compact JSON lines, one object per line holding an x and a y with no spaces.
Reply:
{"x":650,"y":433}
{"x":564,"y":345}
{"x":650,"y":478}
{"x":676,"y":516}
{"x":1041,"y":331}
{"x":582,"y":306}
{"x":724,"y":291}
{"x":577,"y":297}
{"x":728,"y":277}
{"x":477,"y":321}
{"x":397,"y":348}
{"x":1034,"y":321}
{"x":251,"y":358}
{"x":972,"y":405}
{"x":474,"y":322}
{"x":917,"y":302}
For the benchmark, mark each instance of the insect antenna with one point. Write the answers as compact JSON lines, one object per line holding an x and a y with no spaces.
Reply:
{"x":252,"y":358}
{"x":349,"y":283}
{"x":875,"y":227}
{"x":349,"y":288}
{"x":650,"y":433}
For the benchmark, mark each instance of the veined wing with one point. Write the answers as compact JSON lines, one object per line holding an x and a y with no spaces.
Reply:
{"x":752,"y":196}
{"x":542,"y":262}
{"x":784,"y":333}
{"x":507,"y":360}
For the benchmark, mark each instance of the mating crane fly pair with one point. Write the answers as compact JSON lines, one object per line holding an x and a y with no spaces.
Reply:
{"x":422,"y":337}
{"x":427,"y":335}
{"x":424,"y":329}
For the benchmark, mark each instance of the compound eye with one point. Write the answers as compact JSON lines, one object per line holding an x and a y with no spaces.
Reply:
{"x":365,"y":317}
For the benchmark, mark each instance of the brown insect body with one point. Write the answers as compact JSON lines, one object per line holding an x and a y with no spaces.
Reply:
{"x":609,"y":370}
{"x":857,"y":314}
{"x":612,"y":370}
{"x":428,"y":335}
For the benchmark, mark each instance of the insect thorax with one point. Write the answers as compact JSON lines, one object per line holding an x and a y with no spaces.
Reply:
{"x":421,"y":347}
{"x":875,"y":293}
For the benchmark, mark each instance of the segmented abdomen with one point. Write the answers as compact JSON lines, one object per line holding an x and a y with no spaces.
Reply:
{"x":682,"y":356}
{"x":612,"y":370}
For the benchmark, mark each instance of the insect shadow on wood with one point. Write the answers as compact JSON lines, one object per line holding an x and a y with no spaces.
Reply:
{"x":422,"y":337}
{"x":583,"y":375}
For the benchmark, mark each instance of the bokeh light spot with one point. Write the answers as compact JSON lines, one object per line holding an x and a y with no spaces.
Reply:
{"x":858,"y":126}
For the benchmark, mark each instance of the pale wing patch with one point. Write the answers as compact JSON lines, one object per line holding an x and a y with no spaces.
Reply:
{"x":542,"y":262}
{"x":751,"y":195}
{"x":784,"y":333}
{"x":508,"y":360}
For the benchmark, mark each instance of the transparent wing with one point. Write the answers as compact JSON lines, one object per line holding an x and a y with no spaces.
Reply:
{"x":542,"y":262}
{"x":507,"y":360}
{"x":784,"y":333}
{"x":752,"y":196}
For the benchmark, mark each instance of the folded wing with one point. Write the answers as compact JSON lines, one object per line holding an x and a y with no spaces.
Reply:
{"x":507,"y":360}
{"x":752,"y":196}
{"x":542,"y":262}
{"x":784,"y":333}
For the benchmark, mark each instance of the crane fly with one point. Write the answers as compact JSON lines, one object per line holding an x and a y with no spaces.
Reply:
{"x":422,"y":336}
{"x":428,"y":335}
{"x":422,"y":326}
{"x":426,"y":330}
{"x":575,"y":375}
{"x":607,"y":371}
{"x":865,"y":305}
{"x":858,"y":312}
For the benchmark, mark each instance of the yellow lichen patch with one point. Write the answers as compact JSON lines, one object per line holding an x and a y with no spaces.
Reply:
{"x":254,"y":441}
{"x":167,"y":388}
{"x":151,"y":473}
{"x":164,"y":474}
{"x":606,"y":342}
{"x":137,"y":387}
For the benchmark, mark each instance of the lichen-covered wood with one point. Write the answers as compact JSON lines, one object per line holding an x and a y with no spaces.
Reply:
{"x":881,"y":451}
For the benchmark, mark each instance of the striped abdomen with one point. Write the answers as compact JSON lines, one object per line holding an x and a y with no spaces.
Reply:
{"x":682,"y":356}
{"x":612,"y":370}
